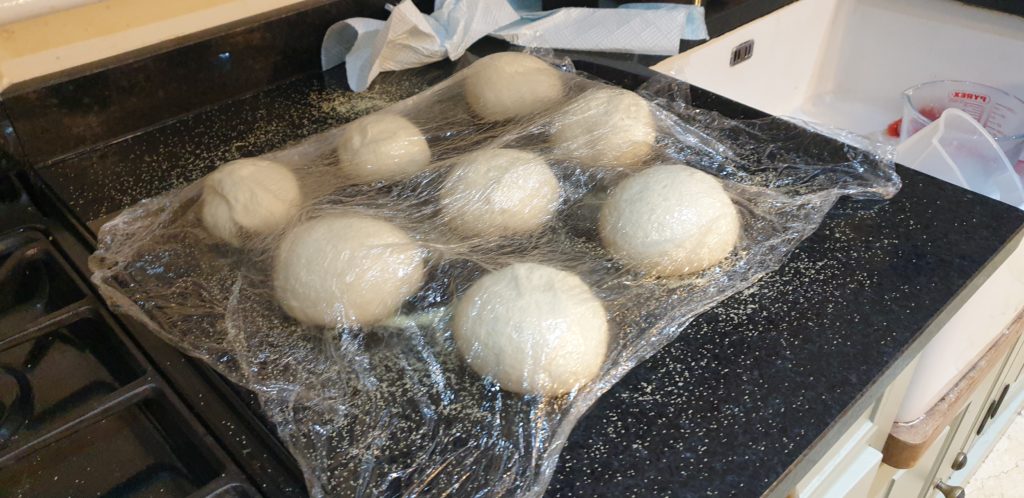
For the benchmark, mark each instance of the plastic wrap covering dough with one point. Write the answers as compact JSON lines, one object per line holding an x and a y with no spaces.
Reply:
{"x":450,"y":292}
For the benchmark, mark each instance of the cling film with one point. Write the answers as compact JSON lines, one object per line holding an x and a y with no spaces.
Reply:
{"x":425,"y":300}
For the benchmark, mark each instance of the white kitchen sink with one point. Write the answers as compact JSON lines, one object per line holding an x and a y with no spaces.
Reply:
{"x":845,"y":63}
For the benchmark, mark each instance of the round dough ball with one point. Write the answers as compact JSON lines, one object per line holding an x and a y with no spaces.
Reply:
{"x":346,"y":269}
{"x":499,"y":192}
{"x":532,"y":328}
{"x":511,"y":84}
{"x":382,"y":146}
{"x":669,"y":220}
{"x":606,"y":127}
{"x":248,"y":197}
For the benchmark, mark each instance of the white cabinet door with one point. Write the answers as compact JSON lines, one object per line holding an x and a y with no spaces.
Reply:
{"x":855,"y":481}
{"x":965,"y":425}
{"x":983,"y":399}
{"x":841,"y":467}
{"x":849,"y":467}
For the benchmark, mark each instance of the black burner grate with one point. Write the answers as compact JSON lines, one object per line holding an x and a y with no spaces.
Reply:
{"x":83,"y":410}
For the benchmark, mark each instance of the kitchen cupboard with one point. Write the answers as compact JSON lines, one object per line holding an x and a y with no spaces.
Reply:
{"x":842,"y":472}
{"x":853,"y":467}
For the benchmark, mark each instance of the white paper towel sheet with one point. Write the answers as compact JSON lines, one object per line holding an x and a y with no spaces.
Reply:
{"x":410,"y":38}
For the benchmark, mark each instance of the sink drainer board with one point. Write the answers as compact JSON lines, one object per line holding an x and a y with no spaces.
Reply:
{"x":846,"y":63}
{"x":83,"y":411}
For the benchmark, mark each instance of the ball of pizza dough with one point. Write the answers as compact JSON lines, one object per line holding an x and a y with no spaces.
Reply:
{"x":532,"y":328}
{"x":511,"y":84}
{"x":248,"y":197}
{"x":499,"y":192}
{"x":669,"y":220}
{"x":346,"y":270}
{"x":381,"y":146}
{"x":605,"y":127}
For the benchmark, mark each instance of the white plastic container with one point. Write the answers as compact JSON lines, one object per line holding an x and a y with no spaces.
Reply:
{"x":958,"y":149}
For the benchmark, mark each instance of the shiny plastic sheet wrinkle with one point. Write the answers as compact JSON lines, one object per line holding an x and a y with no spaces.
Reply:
{"x":392,"y":408}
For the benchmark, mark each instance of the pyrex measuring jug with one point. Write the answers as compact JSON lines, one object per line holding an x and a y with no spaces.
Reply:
{"x":1000,"y":113}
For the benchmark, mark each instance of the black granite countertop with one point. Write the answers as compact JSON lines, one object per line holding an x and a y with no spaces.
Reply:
{"x":760,"y":386}
{"x":751,"y":393}
{"x":51,"y":117}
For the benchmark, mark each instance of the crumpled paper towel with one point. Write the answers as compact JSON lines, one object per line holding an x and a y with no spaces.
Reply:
{"x":410,"y":38}
{"x":632,"y":28}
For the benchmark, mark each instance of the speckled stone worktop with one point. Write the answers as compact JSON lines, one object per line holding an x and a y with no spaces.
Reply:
{"x":752,"y":393}
{"x":764,"y":382}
